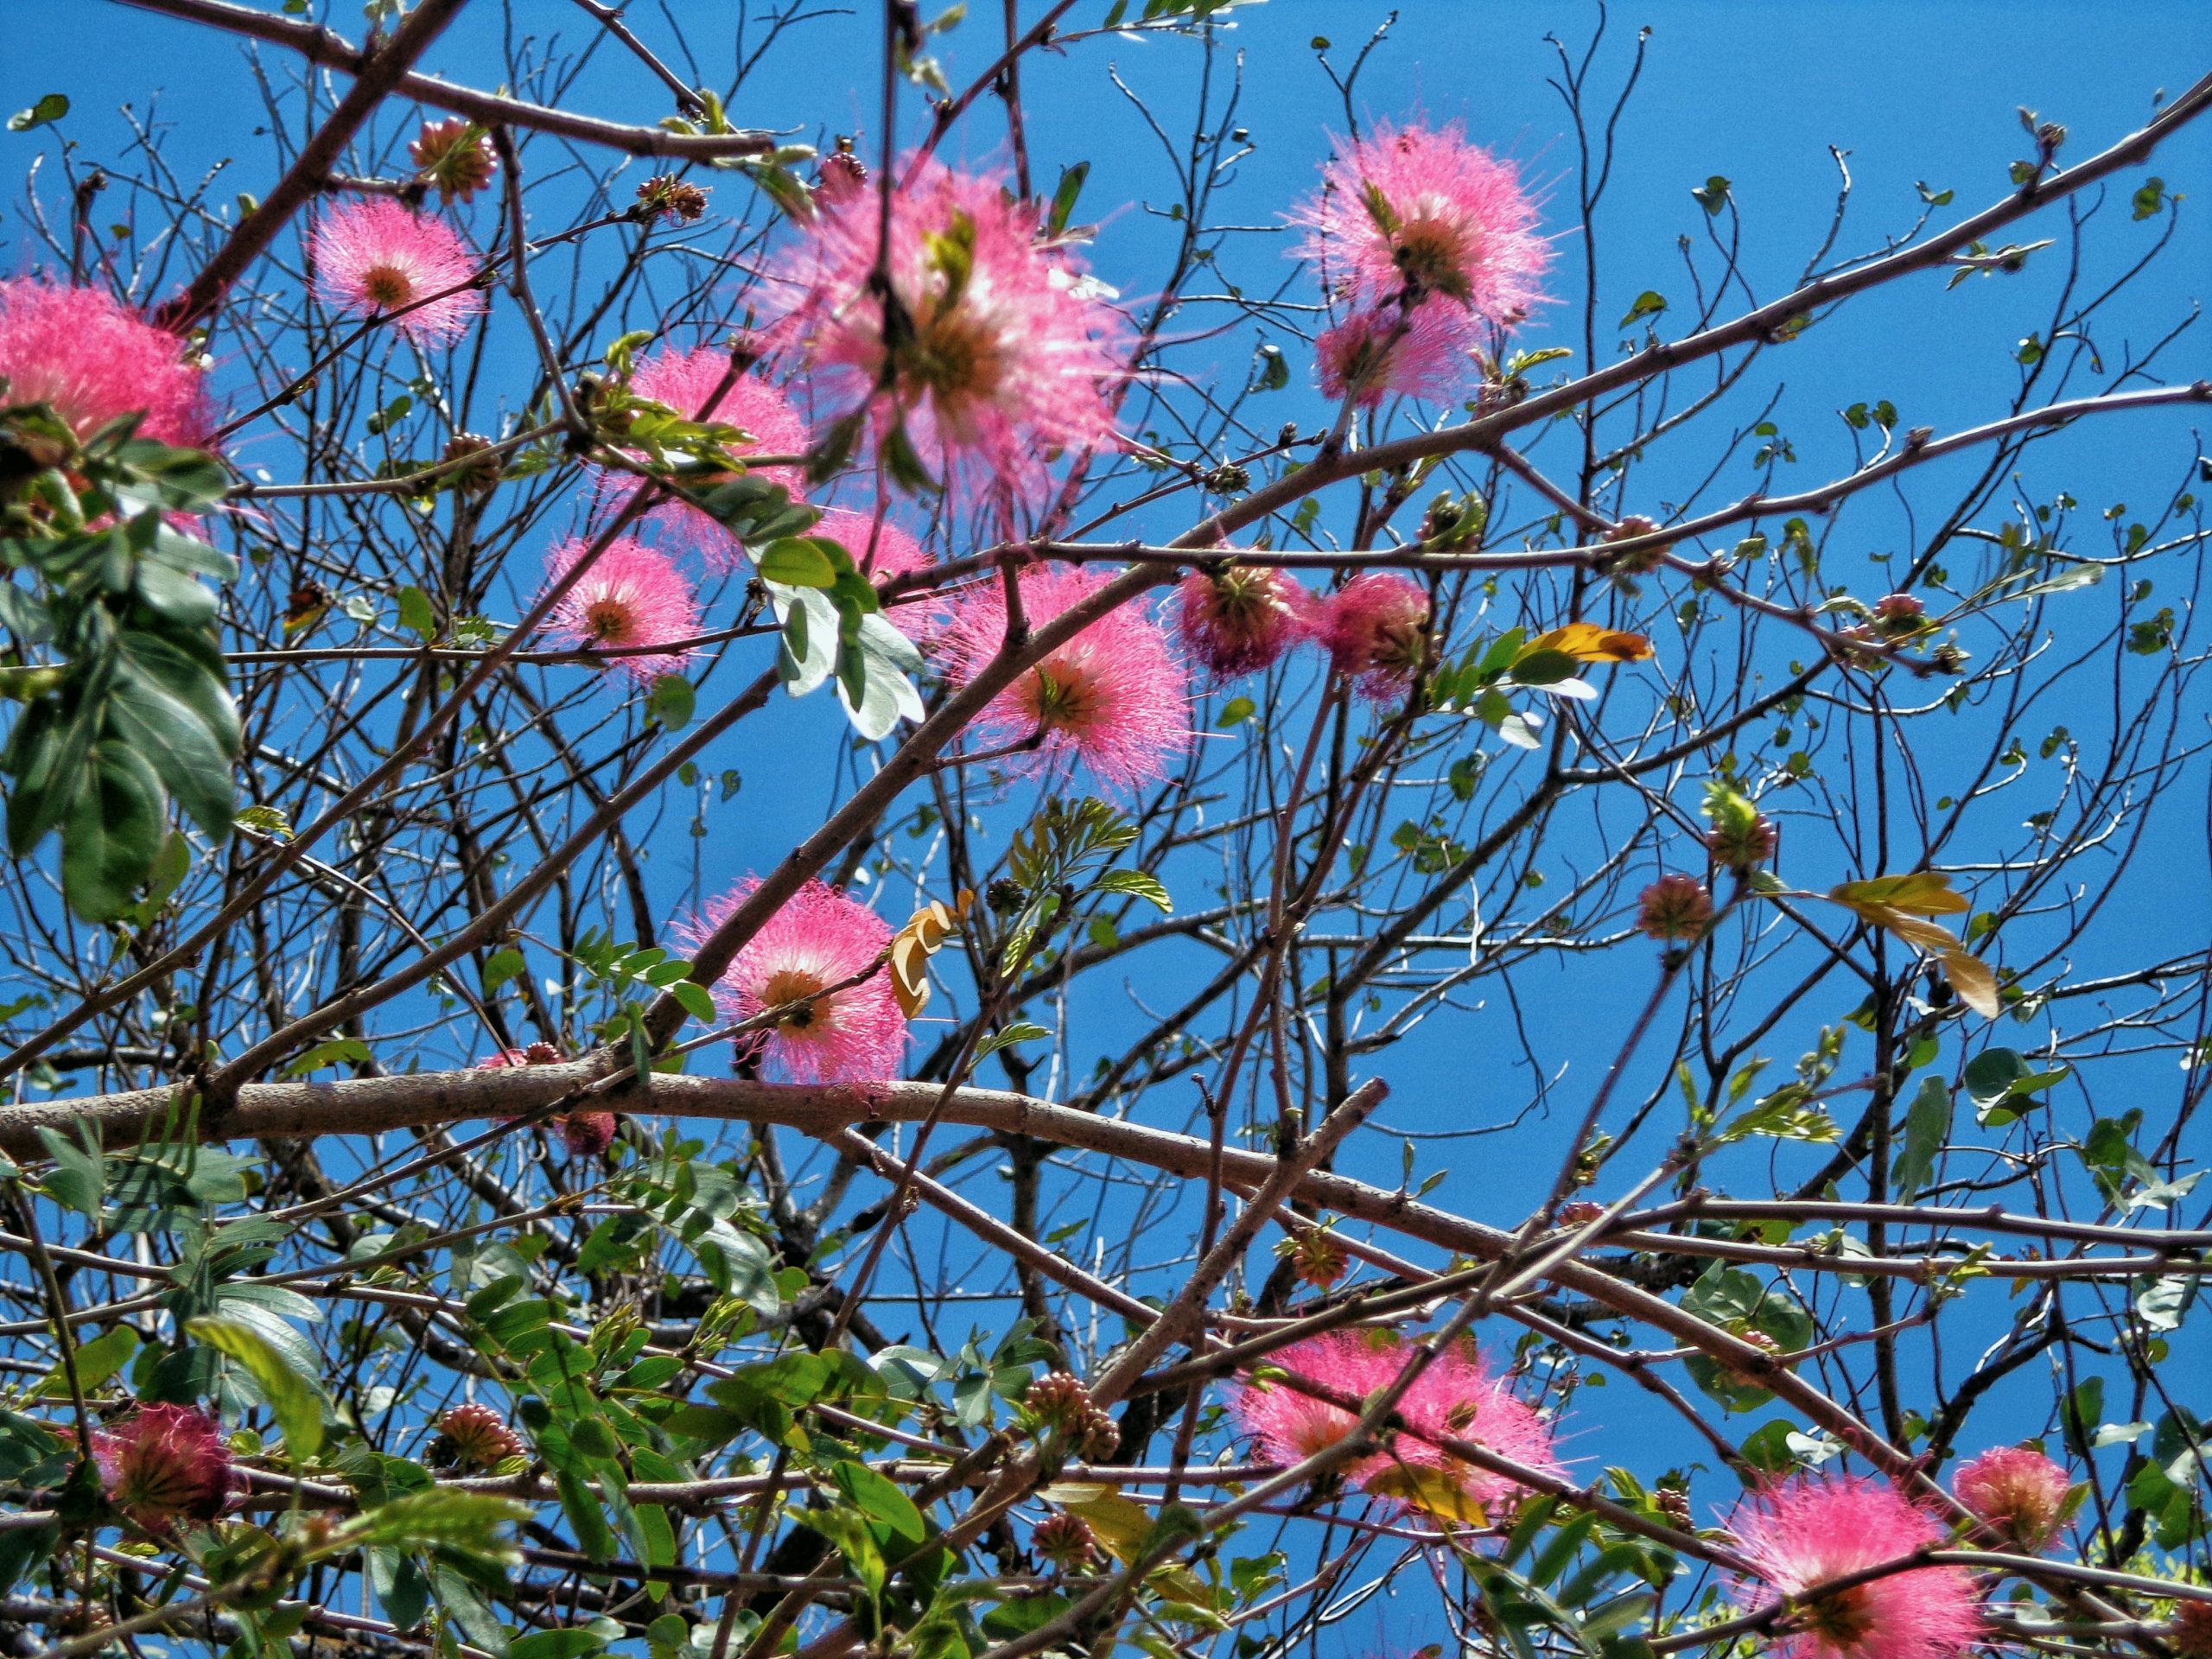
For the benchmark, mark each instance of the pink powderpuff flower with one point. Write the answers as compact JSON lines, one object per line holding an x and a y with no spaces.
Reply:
{"x":93,"y":360}
{"x":375,"y":257}
{"x":821,"y":938}
{"x":1416,"y":213}
{"x":693,"y":385}
{"x":1802,"y":1533}
{"x":165,"y":1464}
{"x":999,"y":356}
{"x":629,"y":595}
{"x":1388,"y":350}
{"x":884,"y":551}
{"x":1240,"y":618}
{"x":1116,"y":697}
{"x":2019,"y":1494}
{"x":1458,"y":1397}
{"x":1288,"y":1427}
{"x":1373,"y":627}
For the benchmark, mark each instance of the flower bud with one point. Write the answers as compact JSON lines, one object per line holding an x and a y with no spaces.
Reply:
{"x":1675,"y":909}
{"x":456,"y":155}
{"x":474,"y":1437}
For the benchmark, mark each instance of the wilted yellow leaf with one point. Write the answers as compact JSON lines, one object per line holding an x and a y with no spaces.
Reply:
{"x":1972,"y":979}
{"x":1432,"y":1491}
{"x":1588,"y":643}
{"x":1924,"y":892}
{"x":1929,"y":936}
{"x":913,"y":944}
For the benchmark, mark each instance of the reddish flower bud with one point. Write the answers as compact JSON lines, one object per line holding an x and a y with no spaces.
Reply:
{"x":586,"y":1135}
{"x":1742,"y":847}
{"x":1636,"y":561}
{"x":456,"y":157}
{"x":669,"y":197}
{"x":165,"y":1464}
{"x":1316,"y":1255}
{"x":2020,"y":1494}
{"x":1065,"y":1541}
{"x":1899,"y":615}
{"x":474,"y":1437}
{"x":1580,"y":1213}
{"x":842,"y":176}
{"x":1676,"y":908}
{"x":2192,"y":1632}
{"x":1673,"y":1503}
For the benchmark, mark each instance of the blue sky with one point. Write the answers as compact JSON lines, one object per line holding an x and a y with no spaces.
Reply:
{"x":1916,"y":92}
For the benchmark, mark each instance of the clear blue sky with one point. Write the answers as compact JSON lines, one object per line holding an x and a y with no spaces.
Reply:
{"x":1914,"y":89}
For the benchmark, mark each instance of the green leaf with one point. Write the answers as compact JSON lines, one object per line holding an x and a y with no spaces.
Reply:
{"x":441,"y":1518}
{"x":97,"y":1361}
{"x":1139,"y":884}
{"x":293,"y":1398}
{"x":415,"y":614}
{"x":1064,"y":197}
{"x":797,"y":562}
{"x":506,"y":965}
{"x":54,"y":106}
{"x":1650,"y":303}
{"x":113,"y":835}
{"x":1020,"y":1032}
{"x":1715,"y":196}
{"x":671,"y":701}
{"x":698,"y":1000}
{"x":571,"y":1642}
{"x":1928,"y":1121}
{"x":879,"y":1500}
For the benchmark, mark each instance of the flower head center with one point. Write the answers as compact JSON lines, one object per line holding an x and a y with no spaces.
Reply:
{"x":1433,"y":253}
{"x":607,"y":620}
{"x":954,"y":354}
{"x":1842,"y":1619}
{"x":387,"y":286}
{"x":790,"y":994}
{"x":1066,"y":696}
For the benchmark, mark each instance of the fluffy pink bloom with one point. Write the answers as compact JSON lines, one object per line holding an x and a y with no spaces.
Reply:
{"x":1419,"y":211}
{"x":93,"y":359}
{"x":629,"y":595}
{"x":1005,"y":342}
{"x":376,"y":256}
{"x":892,"y":547}
{"x":1289,"y":1427}
{"x":820,"y":939}
{"x":1241,"y":618}
{"x":165,"y":1464}
{"x":687,"y":383}
{"x":1374,"y":354}
{"x":1455,"y":1397}
{"x":1116,"y":697}
{"x":1458,"y":1397}
{"x":1373,"y":629}
{"x":2020,"y":1494}
{"x":1802,"y":1533}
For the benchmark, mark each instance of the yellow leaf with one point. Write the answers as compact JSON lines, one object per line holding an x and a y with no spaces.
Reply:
{"x":1119,"y":1524}
{"x":1972,"y":979}
{"x":1588,"y":643}
{"x":1432,"y":1491}
{"x":1928,"y":935}
{"x":1924,"y":892}
{"x":913,"y":944}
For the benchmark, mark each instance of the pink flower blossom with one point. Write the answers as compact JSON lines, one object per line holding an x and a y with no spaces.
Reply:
{"x":884,"y":551}
{"x":1241,"y":618}
{"x":1373,"y":627}
{"x":689,"y":383}
{"x":374,"y":257}
{"x":1374,"y":354}
{"x":165,"y":1464}
{"x":1802,"y":1533}
{"x":2020,"y":1494}
{"x":474,"y":1437}
{"x":1456,"y":1397}
{"x":1289,"y":1427}
{"x":1116,"y":697}
{"x":94,"y":359}
{"x":629,"y":595}
{"x":1413,"y":212}
{"x":1004,"y":340}
{"x":821,"y":938}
